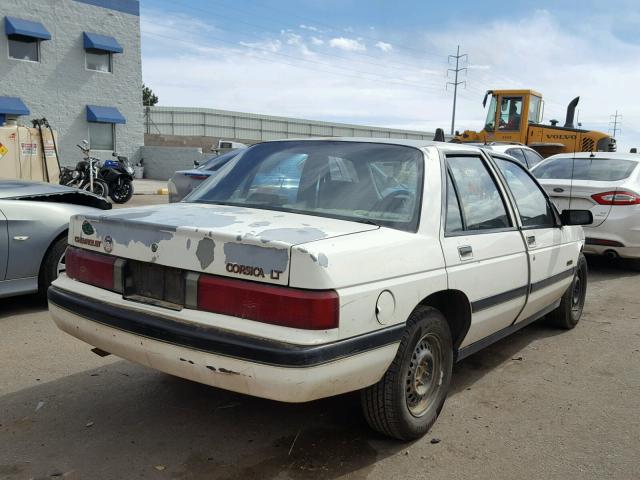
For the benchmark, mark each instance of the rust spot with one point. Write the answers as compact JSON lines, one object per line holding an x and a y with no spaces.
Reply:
{"x":230,"y":372}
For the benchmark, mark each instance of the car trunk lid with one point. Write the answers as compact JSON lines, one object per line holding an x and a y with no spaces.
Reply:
{"x":579,"y":196}
{"x":231,"y":241}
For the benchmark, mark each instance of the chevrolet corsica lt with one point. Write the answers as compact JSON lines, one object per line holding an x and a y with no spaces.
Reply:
{"x":310,"y":268}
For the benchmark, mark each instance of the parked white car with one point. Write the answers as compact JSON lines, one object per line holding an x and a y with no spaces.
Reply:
{"x":606,"y":183}
{"x":311,"y":268}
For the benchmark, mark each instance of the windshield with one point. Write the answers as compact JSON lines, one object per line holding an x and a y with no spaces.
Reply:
{"x":366,"y":182}
{"x":597,"y":169}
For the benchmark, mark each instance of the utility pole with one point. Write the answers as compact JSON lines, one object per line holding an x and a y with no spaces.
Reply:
{"x":616,"y":123}
{"x":455,"y":83}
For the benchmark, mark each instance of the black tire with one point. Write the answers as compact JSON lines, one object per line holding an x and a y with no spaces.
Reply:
{"x":121,"y":192}
{"x":49,"y":266}
{"x":390,"y":405}
{"x":568,"y":314}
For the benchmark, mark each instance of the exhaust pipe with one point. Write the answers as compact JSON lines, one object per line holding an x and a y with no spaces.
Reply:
{"x":611,"y":254}
{"x":571,"y":111}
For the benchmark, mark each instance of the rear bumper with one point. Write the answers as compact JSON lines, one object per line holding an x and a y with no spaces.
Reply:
{"x":620,"y":235}
{"x":245,"y":364}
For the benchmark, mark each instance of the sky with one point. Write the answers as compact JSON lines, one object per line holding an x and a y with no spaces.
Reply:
{"x":385,"y":63}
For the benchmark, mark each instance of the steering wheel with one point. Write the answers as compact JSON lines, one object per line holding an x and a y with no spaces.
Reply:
{"x":394,"y":201}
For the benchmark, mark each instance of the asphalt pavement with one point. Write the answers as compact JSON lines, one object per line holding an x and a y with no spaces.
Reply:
{"x":541,"y":404}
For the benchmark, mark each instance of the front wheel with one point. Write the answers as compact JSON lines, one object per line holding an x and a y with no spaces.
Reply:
{"x":52,"y":266}
{"x":100,"y":188}
{"x":121,"y":191}
{"x":408,"y":399}
{"x":568,"y":314}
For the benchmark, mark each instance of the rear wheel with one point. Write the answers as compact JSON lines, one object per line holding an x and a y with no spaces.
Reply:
{"x":405,"y":403}
{"x":568,"y":314}
{"x":52,"y":265}
{"x":121,"y":191}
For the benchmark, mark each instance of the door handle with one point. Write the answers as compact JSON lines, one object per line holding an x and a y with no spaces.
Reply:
{"x":558,"y":190}
{"x":465,"y":252}
{"x":531,"y":240}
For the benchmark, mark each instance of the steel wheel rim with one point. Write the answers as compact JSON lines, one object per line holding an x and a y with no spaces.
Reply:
{"x":577,"y":292}
{"x":424,"y":375}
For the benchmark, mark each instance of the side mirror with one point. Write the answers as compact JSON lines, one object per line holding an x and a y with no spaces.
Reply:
{"x":576,"y":217}
{"x":196,"y":163}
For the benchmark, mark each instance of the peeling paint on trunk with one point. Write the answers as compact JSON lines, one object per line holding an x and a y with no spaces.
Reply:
{"x":204,"y":252}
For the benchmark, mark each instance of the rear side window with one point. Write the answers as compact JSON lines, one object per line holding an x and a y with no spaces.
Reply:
{"x":533,"y":157}
{"x":534,"y":209}
{"x":596,"y":169}
{"x":517,"y":154}
{"x":482,"y":204}
{"x":454,"y":215}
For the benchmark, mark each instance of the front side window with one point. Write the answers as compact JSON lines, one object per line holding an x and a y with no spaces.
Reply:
{"x":101,"y":136}
{"x":483,"y":207}
{"x":533,"y":206}
{"x":24,"y":48}
{"x":359,"y":181}
{"x":595,"y":169}
{"x":534,"y":109}
{"x":510,"y":113}
{"x":98,"y":60}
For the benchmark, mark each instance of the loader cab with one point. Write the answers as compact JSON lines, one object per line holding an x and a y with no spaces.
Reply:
{"x":510,"y":112}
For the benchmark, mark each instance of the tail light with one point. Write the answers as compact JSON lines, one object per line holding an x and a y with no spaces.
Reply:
{"x":289,"y":307}
{"x":618,"y":197}
{"x":92,"y":268}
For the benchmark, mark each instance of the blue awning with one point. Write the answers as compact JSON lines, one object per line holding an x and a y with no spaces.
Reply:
{"x":104,"y":114}
{"x":101,"y":42}
{"x":26,"y":28}
{"x":13,"y":106}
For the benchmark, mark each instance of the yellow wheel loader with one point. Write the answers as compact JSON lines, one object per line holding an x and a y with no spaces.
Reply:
{"x":515,"y":116}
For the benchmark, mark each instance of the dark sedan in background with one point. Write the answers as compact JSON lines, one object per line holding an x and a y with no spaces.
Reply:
{"x":184,"y":182}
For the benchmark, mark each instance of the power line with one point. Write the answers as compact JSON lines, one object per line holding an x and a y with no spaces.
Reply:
{"x":616,"y":123}
{"x":455,"y":83}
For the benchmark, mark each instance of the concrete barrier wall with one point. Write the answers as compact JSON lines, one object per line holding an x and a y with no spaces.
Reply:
{"x":160,"y":163}
{"x":252,"y":127}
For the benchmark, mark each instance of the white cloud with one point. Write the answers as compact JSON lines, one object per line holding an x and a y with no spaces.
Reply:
{"x":317,"y":41}
{"x":348,"y":44}
{"x":269,"y":45}
{"x":310,"y":28}
{"x":384,"y":46}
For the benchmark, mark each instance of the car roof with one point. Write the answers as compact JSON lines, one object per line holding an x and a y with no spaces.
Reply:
{"x":416,"y":143}
{"x":635,"y":157}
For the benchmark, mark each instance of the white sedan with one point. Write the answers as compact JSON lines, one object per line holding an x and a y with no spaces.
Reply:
{"x":311,"y":268}
{"x":606,"y":183}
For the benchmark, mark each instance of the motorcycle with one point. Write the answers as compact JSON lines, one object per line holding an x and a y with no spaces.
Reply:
{"x":85,"y":175}
{"x":118,"y":175}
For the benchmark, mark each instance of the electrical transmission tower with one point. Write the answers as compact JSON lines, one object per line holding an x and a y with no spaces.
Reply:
{"x":455,"y":82}
{"x":614,"y":123}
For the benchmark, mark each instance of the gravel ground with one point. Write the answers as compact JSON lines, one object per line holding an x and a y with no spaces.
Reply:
{"x":540,"y":404}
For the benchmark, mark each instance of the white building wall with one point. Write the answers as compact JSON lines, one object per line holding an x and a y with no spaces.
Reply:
{"x":59,"y":87}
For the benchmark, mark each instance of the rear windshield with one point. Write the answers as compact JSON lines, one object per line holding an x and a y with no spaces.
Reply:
{"x":365,"y":182}
{"x":598,"y":169}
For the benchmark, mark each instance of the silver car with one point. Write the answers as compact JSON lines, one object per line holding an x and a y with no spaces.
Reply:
{"x":34,"y":220}
{"x":606,"y":183}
